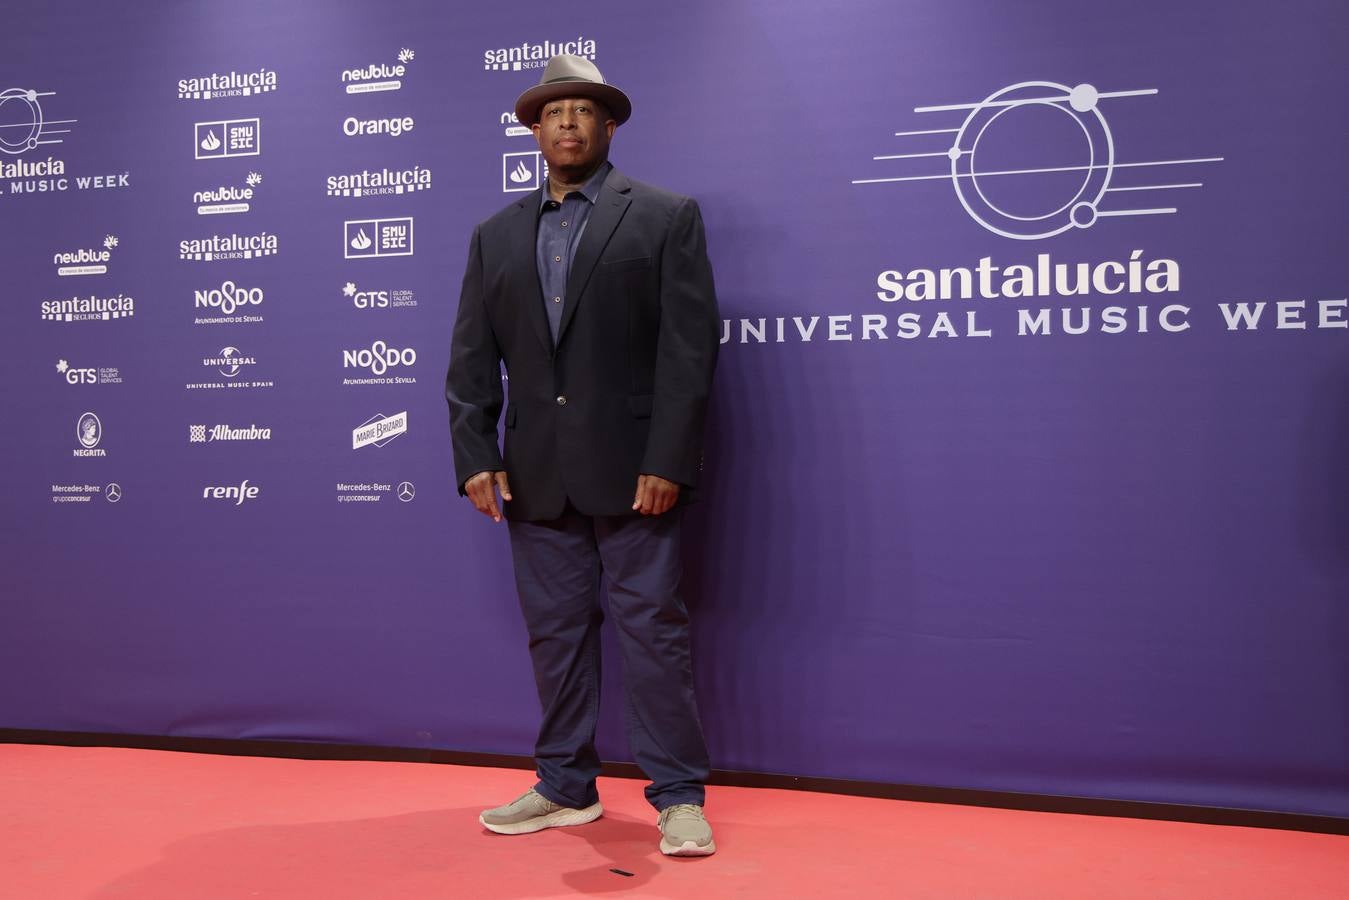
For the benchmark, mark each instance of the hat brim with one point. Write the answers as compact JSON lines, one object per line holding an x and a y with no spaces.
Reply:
{"x":528,"y":104}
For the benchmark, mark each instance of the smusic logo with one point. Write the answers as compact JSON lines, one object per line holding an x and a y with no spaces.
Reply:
{"x":369,"y":238}
{"x":228,"y":138}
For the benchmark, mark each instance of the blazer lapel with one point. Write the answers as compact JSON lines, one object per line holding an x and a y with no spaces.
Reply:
{"x":604,"y":218}
{"x":524,"y":240}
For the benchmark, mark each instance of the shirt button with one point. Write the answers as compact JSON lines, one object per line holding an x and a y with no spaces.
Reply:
{"x":557,"y":299}
{"x":557,"y":259}
{"x":564,"y":224}
{"x":561,"y":400}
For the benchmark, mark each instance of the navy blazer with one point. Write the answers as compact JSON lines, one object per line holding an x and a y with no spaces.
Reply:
{"x":625,"y":389}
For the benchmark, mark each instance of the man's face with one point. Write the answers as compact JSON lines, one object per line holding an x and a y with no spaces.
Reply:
{"x":574,"y":133}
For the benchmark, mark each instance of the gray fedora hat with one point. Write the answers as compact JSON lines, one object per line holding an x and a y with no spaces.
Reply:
{"x":571,"y":76}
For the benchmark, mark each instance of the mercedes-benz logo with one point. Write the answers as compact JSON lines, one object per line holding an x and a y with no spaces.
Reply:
{"x":406,"y":491}
{"x":113,"y":492}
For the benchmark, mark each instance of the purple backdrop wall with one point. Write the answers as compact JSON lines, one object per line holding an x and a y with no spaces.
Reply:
{"x":947,"y":541}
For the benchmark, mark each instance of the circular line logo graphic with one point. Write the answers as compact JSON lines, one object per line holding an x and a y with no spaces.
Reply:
{"x":1000,"y":109}
{"x":406,"y":491}
{"x":113,"y":492}
{"x":30,"y":117}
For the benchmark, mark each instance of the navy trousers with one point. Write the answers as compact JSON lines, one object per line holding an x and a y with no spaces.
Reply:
{"x":558,"y":567}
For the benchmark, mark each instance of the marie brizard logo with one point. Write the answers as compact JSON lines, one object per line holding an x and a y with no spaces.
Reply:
{"x":378,"y":430}
{"x":1035,"y":159}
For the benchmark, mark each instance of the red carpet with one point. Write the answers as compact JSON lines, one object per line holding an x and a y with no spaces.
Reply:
{"x":93,"y":822}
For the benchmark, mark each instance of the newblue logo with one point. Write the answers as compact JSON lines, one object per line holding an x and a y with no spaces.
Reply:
{"x":378,"y":76}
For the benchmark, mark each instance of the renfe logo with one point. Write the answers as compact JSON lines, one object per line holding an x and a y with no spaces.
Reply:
{"x":244,"y":491}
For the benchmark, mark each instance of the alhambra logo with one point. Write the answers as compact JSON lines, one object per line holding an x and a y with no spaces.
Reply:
{"x":229,"y":84}
{"x":226,"y":199}
{"x":529,"y":55}
{"x":86,"y":260}
{"x":379,"y":76}
{"x":1035,"y":159}
{"x":228,"y":246}
{"x":368,"y":183}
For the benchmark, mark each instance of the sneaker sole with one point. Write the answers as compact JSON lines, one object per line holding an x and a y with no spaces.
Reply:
{"x":688,"y":848}
{"x":559,"y":819}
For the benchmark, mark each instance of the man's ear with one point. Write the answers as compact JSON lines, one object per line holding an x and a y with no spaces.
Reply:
{"x":609,"y":127}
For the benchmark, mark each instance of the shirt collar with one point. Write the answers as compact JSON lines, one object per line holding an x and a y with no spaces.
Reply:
{"x":590,"y":190}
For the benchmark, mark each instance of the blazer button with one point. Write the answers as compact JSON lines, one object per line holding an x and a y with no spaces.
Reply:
{"x":561,"y":400}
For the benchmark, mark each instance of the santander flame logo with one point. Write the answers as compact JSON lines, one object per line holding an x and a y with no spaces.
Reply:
{"x":211,"y":143}
{"x":521,"y":173}
{"x":361,"y":241}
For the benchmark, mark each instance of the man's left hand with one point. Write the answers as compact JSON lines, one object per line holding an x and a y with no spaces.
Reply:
{"x":655,"y":495}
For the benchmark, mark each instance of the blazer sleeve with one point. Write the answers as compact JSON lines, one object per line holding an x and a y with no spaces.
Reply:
{"x":473,"y":382}
{"x":686,"y":351}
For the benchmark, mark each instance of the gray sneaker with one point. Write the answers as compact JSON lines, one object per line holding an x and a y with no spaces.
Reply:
{"x":532,"y":811}
{"x":684,"y":831}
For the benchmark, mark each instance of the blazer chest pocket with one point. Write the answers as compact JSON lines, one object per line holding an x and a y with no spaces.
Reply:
{"x":614,"y":266}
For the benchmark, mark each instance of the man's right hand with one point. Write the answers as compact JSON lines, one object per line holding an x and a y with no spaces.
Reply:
{"x":480,"y":490}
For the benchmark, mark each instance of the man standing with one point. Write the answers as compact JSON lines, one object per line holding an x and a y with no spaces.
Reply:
{"x":596,"y":293}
